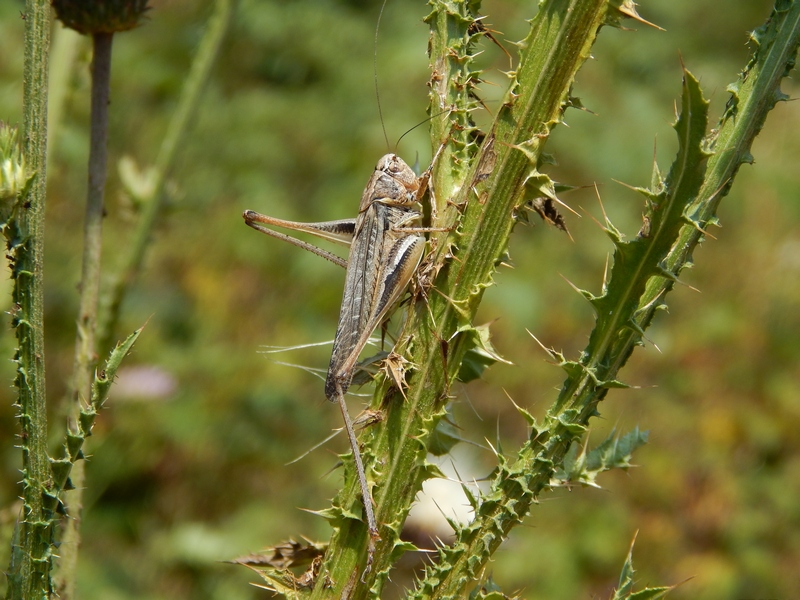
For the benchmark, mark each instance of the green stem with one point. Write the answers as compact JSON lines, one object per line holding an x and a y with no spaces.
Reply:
{"x":176,"y":133}
{"x":490,"y":190}
{"x":85,"y":355}
{"x":631,"y":301}
{"x":29,"y":571}
{"x":85,"y":347}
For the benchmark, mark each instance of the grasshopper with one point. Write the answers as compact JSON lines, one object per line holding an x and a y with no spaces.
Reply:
{"x":386,"y":246}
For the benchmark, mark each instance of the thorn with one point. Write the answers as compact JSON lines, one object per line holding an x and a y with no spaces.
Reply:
{"x":696,"y":225}
{"x":575,"y":287}
{"x":608,"y":227}
{"x":683,"y":283}
{"x":543,"y":347}
{"x":599,"y":224}
{"x":650,"y":304}
{"x":569,"y":208}
{"x":629,"y":10}
{"x":505,"y":391}
{"x":480,"y":27}
{"x":474,"y":410}
{"x":602,"y":207}
{"x":493,"y":449}
{"x":637,"y":328}
{"x":633,"y":541}
{"x":497,"y":433}
{"x":314,"y":447}
{"x":633,"y":188}
{"x":446,"y":518}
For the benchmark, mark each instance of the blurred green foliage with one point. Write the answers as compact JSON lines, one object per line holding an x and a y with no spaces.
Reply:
{"x":190,"y":471}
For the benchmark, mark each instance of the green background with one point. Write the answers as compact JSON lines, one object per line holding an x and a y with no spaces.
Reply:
{"x":187,"y":463}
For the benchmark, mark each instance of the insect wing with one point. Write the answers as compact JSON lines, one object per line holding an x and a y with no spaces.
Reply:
{"x":379,"y":267}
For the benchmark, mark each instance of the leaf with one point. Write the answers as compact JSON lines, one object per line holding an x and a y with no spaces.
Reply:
{"x":105,"y":377}
{"x":479,"y":355}
{"x":444,"y":437}
{"x":625,"y":591}
{"x":284,"y":555}
{"x":584,"y":467}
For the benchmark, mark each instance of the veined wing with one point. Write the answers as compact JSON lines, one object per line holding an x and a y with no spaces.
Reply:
{"x":379,"y":267}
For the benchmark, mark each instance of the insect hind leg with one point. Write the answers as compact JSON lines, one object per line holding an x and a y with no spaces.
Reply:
{"x":366,"y":496}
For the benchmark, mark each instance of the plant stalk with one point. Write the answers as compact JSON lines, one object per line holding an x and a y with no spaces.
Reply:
{"x":218,"y":25}
{"x":560,"y":40}
{"x":31,"y":558}
{"x":85,"y":346}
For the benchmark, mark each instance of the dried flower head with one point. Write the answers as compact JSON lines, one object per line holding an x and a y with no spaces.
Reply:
{"x":100,"y":16}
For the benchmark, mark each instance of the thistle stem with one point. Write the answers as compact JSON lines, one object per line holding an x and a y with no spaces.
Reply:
{"x":173,"y":140}
{"x":29,"y":571}
{"x":85,"y":347}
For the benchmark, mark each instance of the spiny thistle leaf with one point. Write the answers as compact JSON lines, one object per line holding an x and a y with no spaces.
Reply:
{"x":105,"y":377}
{"x":287,"y":554}
{"x":73,"y":445}
{"x":624,"y":589}
{"x":489,"y":590}
{"x":582,"y":467}
{"x":479,"y":353}
{"x":637,"y":261}
{"x":444,"y":437}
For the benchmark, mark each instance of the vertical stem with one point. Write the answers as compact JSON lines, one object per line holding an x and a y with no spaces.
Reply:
{"x":85,"y":347}
{"x":29,"y":572}
{"x":85,"y":356}
{"x":181,"y":120}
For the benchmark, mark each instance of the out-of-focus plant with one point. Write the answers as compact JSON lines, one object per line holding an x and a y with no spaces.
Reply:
{"x":53,"y":486}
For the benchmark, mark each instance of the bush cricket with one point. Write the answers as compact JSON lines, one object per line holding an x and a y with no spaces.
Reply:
{"x":386,"y":246}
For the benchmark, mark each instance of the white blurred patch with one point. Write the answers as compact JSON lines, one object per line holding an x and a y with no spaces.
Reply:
{"x":789,"y":254}
{"x":143,"y":382}
{"x":442,"y":499}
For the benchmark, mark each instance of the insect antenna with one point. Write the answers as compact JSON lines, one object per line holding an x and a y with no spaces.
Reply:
{"x":378,"y":94}
{"x":417,"y":125}
{"x":375,"y":73}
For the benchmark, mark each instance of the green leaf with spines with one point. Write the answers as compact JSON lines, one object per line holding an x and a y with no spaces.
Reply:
{"x":490,"y":218}
{"x":104,"y":378}
{"x":478,"y":352}
{"x":505,"y":506}
{"x":444,"y":437}
{"x":582,"y":467}
{"x":529,"y":419}
{"x":61,"y":469}
{"x":624,"y":589}
{"x":74,"y":440}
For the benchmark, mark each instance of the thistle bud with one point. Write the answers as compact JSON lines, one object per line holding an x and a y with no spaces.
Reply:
{"x":13,"y":175}
{"x":100,"y":16}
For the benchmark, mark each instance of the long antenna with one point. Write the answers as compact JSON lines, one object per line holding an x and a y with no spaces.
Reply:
{"x":400,"y":139}
{"x":375,"y":73}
